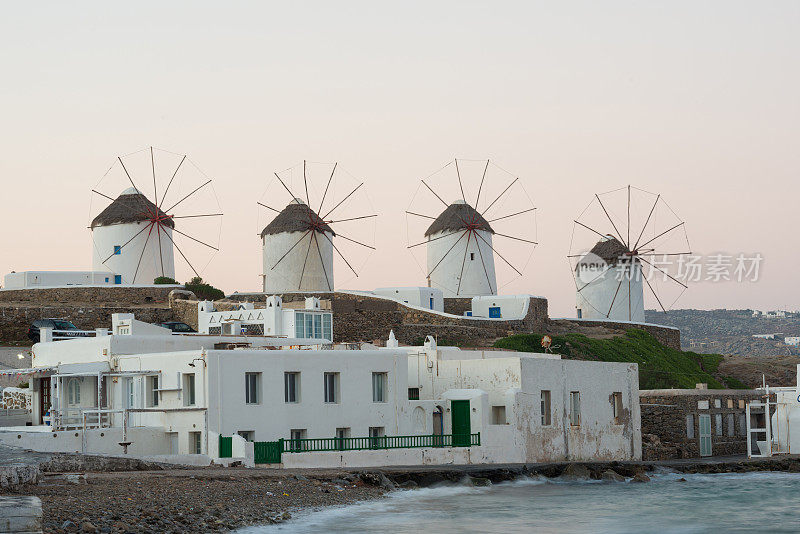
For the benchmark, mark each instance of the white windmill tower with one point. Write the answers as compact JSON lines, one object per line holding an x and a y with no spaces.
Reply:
{"x":460,"y":242}
{"x":298,"y":244}
{"x":638,"y":249}
{"x":134,"y":237}
{"x":128,"y":221}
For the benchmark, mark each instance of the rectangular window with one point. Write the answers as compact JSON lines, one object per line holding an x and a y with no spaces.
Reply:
{"x":413,"y":393}
{"x":195,"y":443}
{"x":298,"y":325}
{"x":331,"y":387}
{"x":130,"y":393}
{"x":248,"y":435}
{"x":742,"y":424}
{"x":546,"y":419}
{"x":317,"y":326}
{"x":298,"y":434}
{"x":498,"y":415}
{"x":730,"y":403}
{"x":494,"y":313}
{"x":718,"y":424}
{"x":252,"y":385}
{"x":616,"y":407}
{"x":309,"y":328}
{"x":327,"y":326}
{"x":741,"y":404}
{"x":731,"y":424}
{"x":117,"y":279}
{"x":690,"y":426}
{"x":341,"y":436}
{"x":152,"y":391}
{"x":376,"y":434}
{"x":291,"y":387}
{"x":188,"y":389}
{"x":575,"y":408}
{"x":379,"y":382}
{"x":431,"y":302}
{"x":471,"y":256}
{"x":117,"y":250}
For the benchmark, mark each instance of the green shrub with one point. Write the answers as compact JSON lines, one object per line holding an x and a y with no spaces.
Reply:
{"x":203,"y":290}
{"x":660,"y":366}
{"x":165,"y":280}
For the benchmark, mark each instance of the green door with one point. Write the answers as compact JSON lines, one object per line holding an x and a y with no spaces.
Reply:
{"x":225,"y":446}
{"x":705,"y":434}
{"x":459,"y":411}
{"x":267,"y":452}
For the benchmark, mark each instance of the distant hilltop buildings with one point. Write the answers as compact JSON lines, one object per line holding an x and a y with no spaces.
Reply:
{"x":778,"y":314}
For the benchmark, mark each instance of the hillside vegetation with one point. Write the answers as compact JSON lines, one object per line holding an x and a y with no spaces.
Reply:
{"x":659,"y":366}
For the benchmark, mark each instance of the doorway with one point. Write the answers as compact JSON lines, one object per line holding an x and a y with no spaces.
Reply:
{"x":459,"y":411}
{"x":44,"y":397}
{"x":705,"y":434}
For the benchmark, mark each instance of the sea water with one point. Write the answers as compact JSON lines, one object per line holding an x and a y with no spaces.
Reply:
{"x":749,"y":502}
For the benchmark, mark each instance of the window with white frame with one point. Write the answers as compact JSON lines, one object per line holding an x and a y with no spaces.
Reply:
{"x":195,"y":443}
{"x":296,"y":435}
{"x":252,"y":385}
{"x":379,"y":384}
{"x":152,"y":391}
{"x":188,"y":390}
{"x":248,"y":435}
{"x":331,"y":387}
{"x":130,"y":392}
{"x":74,"y":392}
{"x":545,"y":407}
{"x":291,"y":387}
{"x":575,"y":408}
{"x":316,"y":325}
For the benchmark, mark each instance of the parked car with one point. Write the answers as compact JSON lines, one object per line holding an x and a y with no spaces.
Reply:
{"x":65,"y":328}
{"x":178,"y":327}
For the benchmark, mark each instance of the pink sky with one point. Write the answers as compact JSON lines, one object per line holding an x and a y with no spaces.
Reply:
{"x":697,"y":101}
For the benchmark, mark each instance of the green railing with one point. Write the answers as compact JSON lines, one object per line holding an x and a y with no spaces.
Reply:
{"x":381,"y":442}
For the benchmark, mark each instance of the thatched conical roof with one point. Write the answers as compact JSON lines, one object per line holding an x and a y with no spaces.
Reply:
{"x":130,"y":207}
{"x":458,"y":216}
{"x":296,"y":217}
{"x":609,"y":249}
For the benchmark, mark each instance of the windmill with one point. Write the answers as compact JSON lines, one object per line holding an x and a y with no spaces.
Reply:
{"x":330,"y":220}
{"x":618,"y":236}
{"x":135,"y":235}
{"x":478,"y":225}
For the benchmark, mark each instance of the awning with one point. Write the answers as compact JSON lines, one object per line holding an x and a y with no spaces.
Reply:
{"x":33,"y":371}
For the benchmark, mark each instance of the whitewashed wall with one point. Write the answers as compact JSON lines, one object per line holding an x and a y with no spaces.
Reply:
{"x":286,"y":275}
{"x":446,"y":275}
{"x":125,"y":264}
{"x":595,"y":299}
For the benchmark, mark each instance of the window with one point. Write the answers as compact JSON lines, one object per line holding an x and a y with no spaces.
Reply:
{"x":546,"y":420}
{"x":291,"y":387}
{"x":690,"y":426}
{"x":296,"y":435}
{"x":129,"y":392}
{"x":498,"y":415}
{"x":252,"y":383}
{"x":248,"y":435}
{"x":741,"y":404}
{"x":195,"y":443}
{"x":616,"y":407}
{"x":431,"y":302}
{"x":730,"y":403}
{"x":152,"y":389}
{"x":327,"y":326}
{"x":731,"y":429}
{"x":494,"y":312}
{"x":379,"y":381}
{"x":331,"y":387}
{"x":317,"y":326}
{"x":718,"y":424}
{"x":575,"y":408}
{"x":413,"y":393}
{"x":117,"y":279}
{"x":471,"y":256}
{"x":74,"y":392}
{"x":742,"y":424}
{"x":341,"y":435}
{"x":188,"y":389}
{"x":117,"y":250}
{"x":717,"y":403}
{"x":299,"y":330}
{"x":375,"y":435}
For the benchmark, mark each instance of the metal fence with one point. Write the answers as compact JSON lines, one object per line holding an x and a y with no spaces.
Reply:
{"x":381,"y":442}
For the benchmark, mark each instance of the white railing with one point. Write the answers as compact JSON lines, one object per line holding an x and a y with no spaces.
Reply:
{"x":48,"y":334}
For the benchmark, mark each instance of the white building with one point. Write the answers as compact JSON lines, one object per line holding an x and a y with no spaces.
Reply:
{"x":34,"y":279}
{"x":129,"y":244}
{"x":297,"y":250}
{"x":506,"y":307}
{"x":609,"y":284}
{"x":193,"y":398}
{"x":308,"y":321}
{"x":793,"y":340}
{"x":424,"y":297}
{"x":460,"y":256}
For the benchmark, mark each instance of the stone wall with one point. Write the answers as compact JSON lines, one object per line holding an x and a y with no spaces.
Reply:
{"x":664,"y":421}
{"x":94,"y":294}
{"x":665,"y":335}
{"x":15,"y":319}
{"x":457,"y":305}
{"x":367,"y":318}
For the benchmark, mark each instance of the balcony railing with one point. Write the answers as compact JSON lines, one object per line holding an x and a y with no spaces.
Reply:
{"x":381,"y":442}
